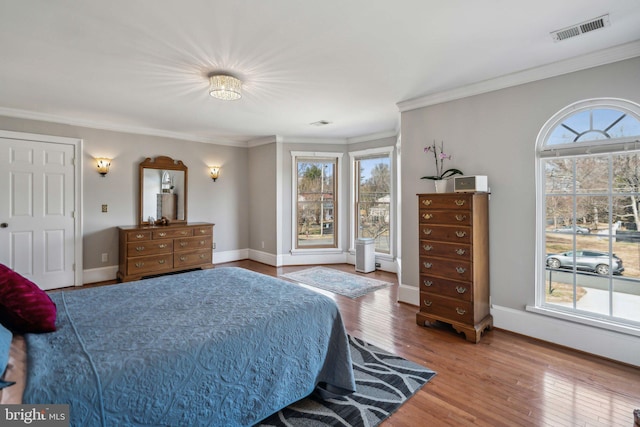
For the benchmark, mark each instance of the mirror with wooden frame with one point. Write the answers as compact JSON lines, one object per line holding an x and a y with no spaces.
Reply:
{"x":163,"y":191}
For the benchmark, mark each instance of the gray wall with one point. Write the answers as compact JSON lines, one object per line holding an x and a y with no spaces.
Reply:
{"x":223,"y":202}
{"x":262,"y":196}
{"x":494,"y":134}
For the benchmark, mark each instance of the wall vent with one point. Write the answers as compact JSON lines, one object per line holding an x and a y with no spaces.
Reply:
{"x":582,"y":28}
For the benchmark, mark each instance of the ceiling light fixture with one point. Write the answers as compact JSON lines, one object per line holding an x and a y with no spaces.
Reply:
{"x":225,"y":87}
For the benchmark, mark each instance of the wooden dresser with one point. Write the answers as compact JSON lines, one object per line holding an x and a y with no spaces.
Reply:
{"x":454,"y":261}
{"x":152,"y":250}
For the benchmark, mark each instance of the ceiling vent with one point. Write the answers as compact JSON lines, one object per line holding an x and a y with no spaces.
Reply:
{"x":578,"y":29}
{"x":320,"y":123}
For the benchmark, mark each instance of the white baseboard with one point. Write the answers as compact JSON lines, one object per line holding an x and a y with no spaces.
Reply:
{"x":101,"y":274}
{"x":229,"y":256}
{"x":409,"y":294}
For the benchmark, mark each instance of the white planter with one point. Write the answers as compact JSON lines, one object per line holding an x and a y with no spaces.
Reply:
{"x":441,"y":185}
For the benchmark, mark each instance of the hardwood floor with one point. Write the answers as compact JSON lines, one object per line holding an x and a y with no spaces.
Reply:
{"x":505,"y":380}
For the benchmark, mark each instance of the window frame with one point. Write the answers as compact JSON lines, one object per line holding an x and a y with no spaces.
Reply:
{"x":337,"y":202}
{"x":353,"y":220}
{"x":543,"y":153}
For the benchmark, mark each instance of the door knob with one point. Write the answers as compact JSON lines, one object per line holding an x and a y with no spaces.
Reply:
{"x":4,"y":225}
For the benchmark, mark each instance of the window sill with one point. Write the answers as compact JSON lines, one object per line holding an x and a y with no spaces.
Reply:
{"x":584,"y":320}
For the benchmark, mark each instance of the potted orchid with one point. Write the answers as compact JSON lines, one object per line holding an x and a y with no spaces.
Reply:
{"x":441,"y":174}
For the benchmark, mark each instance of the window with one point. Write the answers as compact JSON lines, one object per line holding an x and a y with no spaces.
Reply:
{"x":316,"y":209}
{"x":589,"y":214}
{"x":372,"y":197}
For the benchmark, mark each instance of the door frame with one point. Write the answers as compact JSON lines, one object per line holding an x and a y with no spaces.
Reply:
{"x":77,"y":188}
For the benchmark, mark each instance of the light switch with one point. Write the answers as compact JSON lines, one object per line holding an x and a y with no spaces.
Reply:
{"x":104,"y":208}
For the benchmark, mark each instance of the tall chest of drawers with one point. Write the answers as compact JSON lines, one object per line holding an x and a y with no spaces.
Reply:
{"x":454,"y":261}
{"x":151,"y":250}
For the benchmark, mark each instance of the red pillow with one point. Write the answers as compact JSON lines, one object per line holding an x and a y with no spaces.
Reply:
{"x":24,"y":307}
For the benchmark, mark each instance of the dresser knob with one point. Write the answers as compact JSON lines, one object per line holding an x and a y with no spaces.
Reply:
{"x":139,"y":236}
{"x":461,"y":233}
{"x":427,"y":216}
{"x":461,"y":289}
{"x":427,"y":282}
{"x":184,"y":233}
{"x":202,"y":242}
{"x":162,"y":246}
{"x":427,"y":231}
{"x":139,"y":264}
{"x":461,"y":270}
{"x":460,"y":311}
{"x":460,"y":202}
{"x":161,"y":261}
{"x":139,"y":248}
{"x":427,"y":247}
{"x":427,"y":202}
{"x":183,"y":258}
{"x":202,"y":256}
{"x":427,"y":264}
{"x":461,"y":217}
{"x":183,"y":244}
{"x":203,"y":231}
{"x":427,"y":303}
{"x":162,"y":234}
{"x":461,"y":251}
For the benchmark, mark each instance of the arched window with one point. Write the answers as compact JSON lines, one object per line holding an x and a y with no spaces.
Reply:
{"x":588,"y":214}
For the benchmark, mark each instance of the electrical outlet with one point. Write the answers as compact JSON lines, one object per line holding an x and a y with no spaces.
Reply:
{"x":377,"y":265}
{"x":263,"y":244}
{"x":214,"y":245}
{"x":104,"y":208}
{"x":105,"y":257}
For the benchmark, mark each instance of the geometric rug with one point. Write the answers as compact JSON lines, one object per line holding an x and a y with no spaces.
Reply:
{"x":383,"y":383}
{"x":339,"y":282}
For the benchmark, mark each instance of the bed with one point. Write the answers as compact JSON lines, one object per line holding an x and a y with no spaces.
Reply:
{"x":218,"y":347}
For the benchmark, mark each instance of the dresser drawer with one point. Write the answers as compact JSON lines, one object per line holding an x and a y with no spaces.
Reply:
{"x":189,"y":243}
{"x":448,"y":288}
{"x":149,"y":247}
{"x":147,"y":264}
{"x":452,"y":309}
{"x":446,"y":268}
{"x":170,"y":232}
{"x":192,"y":258}
{"x":447,"y":250}
{"x":136,"y":236}
{"x":449,"y":233}
{"x":446,"y":201}
{"x":203,"y":231}
{"x":430,"y":216}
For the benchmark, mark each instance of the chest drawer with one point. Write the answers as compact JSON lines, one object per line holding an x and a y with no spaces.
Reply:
{"x":206,"y":230}
{"x":447,"y":288}
{"x":168,"y":233}
{"x":446,"y":201}
{"x":430,"y":216}
{"x":189,"y":243}
{"x":149,"y":247}
{"x":189,"y":258}
{"x":453,"y":309}
{"x":460,"y":251}
{"x":136,"y":236}
{"x":152,"y":263}
{"x":447,"y":233}
{"x":441,"y":267}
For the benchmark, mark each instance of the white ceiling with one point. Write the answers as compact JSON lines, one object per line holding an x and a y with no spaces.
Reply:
{"x":142,"y":66}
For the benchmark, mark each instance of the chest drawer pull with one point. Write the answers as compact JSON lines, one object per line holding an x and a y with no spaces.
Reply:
{"x":427,"y":231}
{"x":202,"y":242}
{"x":427,"y":264}
{"x":162,"y":246}
{"x":427,"y":247}
{"x":427,"y":216}
{"x":183,"y":244}
{"x":140,"y":264}
{"x":183,"y":258}
{"x":162,"y":234}
{"x":461,"y":251}
{"x":427,"y":202}
{"x":461,"y":270}
{"x":202,"y":231}
{"x":202,"y":256}
{"x":139,"y":236}
{"x":460,"y":202}
{"x":461,"y":234}
{"x":460,"y":217}
{"x":184,"y":233}
{"x":427,"y":303}
{"x":427,"y":282}
{"x":139,"y":248}
{"x":161,"y":261}
{"x":460,"y":311}
{"x":461,"y":289}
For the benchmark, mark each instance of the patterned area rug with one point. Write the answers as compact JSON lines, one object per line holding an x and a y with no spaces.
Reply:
{"x":330,"y":279}
{"x":383,"y":382}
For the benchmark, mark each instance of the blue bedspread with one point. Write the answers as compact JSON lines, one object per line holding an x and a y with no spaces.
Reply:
{"x":220,"y":347}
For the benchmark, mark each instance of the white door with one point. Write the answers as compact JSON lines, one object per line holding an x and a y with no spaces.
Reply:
{"x":37,"y":225}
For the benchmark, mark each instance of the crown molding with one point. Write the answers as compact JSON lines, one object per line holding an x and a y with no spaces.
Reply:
{"x":373,"y":136}
{"x":52,"y":118}
{"x":595,"y":59}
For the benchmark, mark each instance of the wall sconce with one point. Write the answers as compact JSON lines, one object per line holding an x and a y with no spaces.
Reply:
{"x":214,"y":172}
{"x":103,"y":166}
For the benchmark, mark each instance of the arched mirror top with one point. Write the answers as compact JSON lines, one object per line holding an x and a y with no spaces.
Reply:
{"x":163,"y":191}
